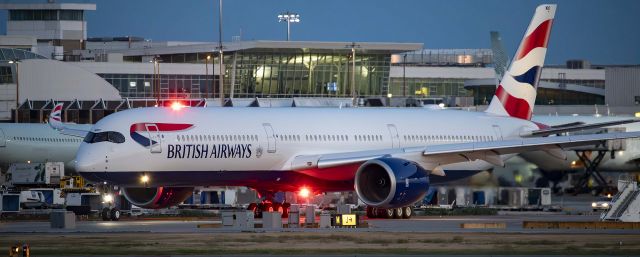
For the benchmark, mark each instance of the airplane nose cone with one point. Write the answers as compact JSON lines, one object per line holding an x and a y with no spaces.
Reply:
{"x":84,"y":162}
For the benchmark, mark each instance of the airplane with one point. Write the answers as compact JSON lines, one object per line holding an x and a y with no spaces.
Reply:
{"x":389,"y":156}
{"x":38,"y":143}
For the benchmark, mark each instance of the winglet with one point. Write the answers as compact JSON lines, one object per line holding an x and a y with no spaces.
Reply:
{"x":55,"y":119}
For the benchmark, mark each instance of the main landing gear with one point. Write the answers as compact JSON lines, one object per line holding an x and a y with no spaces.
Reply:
{"x":394,"y":213}
{"x":265,"y":206}
{"x":110,"y":214}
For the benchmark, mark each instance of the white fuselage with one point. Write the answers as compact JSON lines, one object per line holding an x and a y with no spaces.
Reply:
{"x":267,"y":139}
{"x":627,"y":160}
{"x":37,"y":143}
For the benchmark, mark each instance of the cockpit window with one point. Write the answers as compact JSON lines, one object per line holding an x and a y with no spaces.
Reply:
{"x":115,"y":137}
{"x":89,"y":137}
{"x":109,"y":136}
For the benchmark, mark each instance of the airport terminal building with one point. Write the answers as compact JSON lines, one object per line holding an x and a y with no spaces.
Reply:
{"x":97,"y":76}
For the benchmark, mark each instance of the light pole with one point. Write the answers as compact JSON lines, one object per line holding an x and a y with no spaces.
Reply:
{"x":17,"y":63}
{"x":206,"y":75}
{"x":221,"y":75}
{"x":156,"y":77}
{"x":288,"y":17}
{"x":353,"y":47}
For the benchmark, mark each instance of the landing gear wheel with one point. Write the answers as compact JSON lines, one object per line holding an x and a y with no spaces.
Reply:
{"x":258,"y":211}
{"x":267,"y":207}
{"x":105,"y":214}
{"x":115,"y":214}
{"x":398,"y":212}
{"x":277,"y":207}
{"x":389,"y":213}
{"x":371,"y":212}
{"x":285,"y":210}
{"x":408,"y":211}
{"x":252,"y":207}
{"x":285,"y":213}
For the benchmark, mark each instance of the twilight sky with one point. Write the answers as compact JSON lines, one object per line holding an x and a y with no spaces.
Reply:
{"x":601,"y":31}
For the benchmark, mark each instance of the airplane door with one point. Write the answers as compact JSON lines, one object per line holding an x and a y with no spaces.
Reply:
{"x":152,"y":133}
{"x":497,"y":132}
{"x":3,"y":139}
{"x":395,"y":139}
{"x":271,"y":140}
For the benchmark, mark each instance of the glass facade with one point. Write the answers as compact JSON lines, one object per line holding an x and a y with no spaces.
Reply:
{"x":171,"y":85}
{"x":7,"y":54}
{"x":583,"y":82}
{"x":45,"y":15}
{"x":6,"y":77}
{"x":428,"y":87}
{"x":6,"y":68}
{"x":483,"y":95}
{"x":269,"y":73}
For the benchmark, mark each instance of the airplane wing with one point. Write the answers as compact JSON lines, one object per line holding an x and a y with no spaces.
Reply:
{"x":432,"y":157}
{"x":55,"y":122}
{"x":573,"y":127}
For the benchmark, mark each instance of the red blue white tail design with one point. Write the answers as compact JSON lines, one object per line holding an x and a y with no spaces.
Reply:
{"x":516,"y":94}
{"x":55,"y":118}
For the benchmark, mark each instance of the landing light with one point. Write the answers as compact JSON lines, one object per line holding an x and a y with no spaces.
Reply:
{"x":304,"y":192}
{"x":107,"y":198}
{"x":144,"y":179}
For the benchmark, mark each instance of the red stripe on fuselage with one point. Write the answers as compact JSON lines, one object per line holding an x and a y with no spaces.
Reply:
{"x":539,"y":38}
{"x":516,"y":107}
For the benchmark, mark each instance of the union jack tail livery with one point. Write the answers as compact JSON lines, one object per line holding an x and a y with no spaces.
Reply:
{"x":55,"y":118}
{"x":516,"y":94}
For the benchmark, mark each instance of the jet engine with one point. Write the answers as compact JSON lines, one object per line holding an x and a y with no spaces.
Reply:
{"x":157,"y":197}
{"x":390,"y":182}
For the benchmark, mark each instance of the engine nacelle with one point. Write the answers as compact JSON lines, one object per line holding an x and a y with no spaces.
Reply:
{"x":391,"y":182}
{"x":157,"y":197}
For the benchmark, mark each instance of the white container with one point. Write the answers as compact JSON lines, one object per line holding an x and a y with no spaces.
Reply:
{"x":272,"y":220}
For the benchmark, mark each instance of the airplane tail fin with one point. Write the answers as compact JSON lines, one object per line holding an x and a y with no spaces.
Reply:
{"x":516,"y":94}
{"x":55,"y":119}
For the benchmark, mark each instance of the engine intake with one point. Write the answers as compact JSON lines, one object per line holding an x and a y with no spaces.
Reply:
{"x":391,"y":182}
{"x":157,"y":197}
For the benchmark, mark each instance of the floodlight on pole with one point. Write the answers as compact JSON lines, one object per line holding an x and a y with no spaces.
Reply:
{"x":354,"y":93}
{"x":17,"y":63}
{"x":289,"y":17}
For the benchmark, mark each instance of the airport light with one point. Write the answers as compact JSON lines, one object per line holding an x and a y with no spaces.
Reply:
{"x":144,"y":179}
{"x":353,"y":47}
{"x":221,"y":55}
{"x":176,"y":106}
{"x":156,"y":76}
{"x":304,"y":192}
{"x":206,"y":74}
{"x":17,"y":63}
{"x":289,"y":18}
{"x":107,"y":198}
